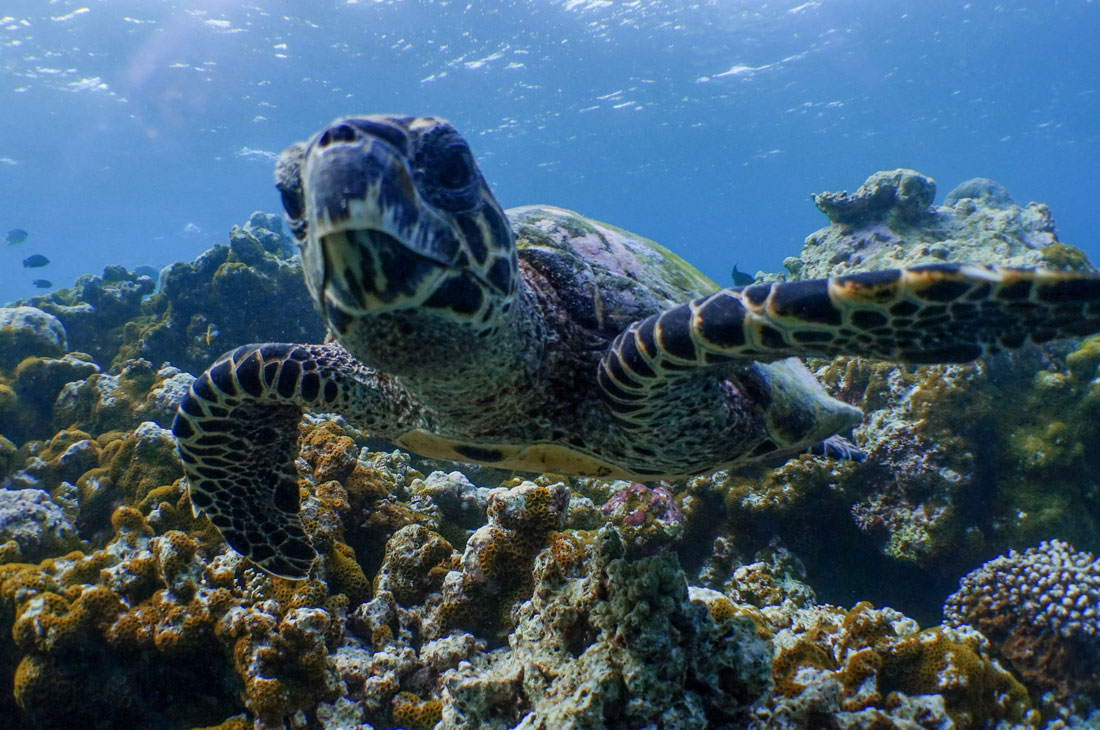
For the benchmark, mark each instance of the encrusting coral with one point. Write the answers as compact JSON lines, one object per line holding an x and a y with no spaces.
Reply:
{"x":609,"y":642}
{"x":869,"y":667}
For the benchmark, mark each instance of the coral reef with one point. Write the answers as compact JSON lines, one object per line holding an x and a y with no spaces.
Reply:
{"x":440,"y":602}
{"x":869,"y":667}
{"x":648,"y":518}
{"x":102,"y":347}
{"x":96,"y":310}
{"x":495,"y":569}
{"x":231,"y":295}
{"x":608,"y":642}
{"x":27,"y":331}
{"x":955,"y":454}
{"x":1041,"y":609}
{"x":891,"y":221}
{"x":33,"y":526}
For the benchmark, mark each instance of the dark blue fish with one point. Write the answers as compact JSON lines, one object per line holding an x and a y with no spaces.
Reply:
{"x":43,"y":283}
{"x":16,"y":235}
{"x":33,"y":262}
{"x":740,"y":278}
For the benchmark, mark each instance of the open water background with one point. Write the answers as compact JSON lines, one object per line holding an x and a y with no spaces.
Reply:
{"x":138,"y":132}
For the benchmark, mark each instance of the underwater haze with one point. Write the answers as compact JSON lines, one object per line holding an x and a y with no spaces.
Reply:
{"x":138,"y":133}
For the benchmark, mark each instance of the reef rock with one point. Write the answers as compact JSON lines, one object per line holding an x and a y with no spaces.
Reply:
{"x":105,"y":402}
{"x":962,"y":461}
{"x":871,"y":668}
{"x":33,"y":526}
{"x":96,"y":308}
{"x":26,"y":411}
{"x":607,"y":642}
{"x":229,"y":296}
{"x":250,"y":290}
{"x":27,"y":331}
{"x":891,"y":222}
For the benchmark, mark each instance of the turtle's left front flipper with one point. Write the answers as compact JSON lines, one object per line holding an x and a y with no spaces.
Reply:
{"x":940,"y":313}
{"x":237,"y":430}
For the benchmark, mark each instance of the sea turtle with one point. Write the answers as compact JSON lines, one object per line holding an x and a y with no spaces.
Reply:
{"x":543,"y":341}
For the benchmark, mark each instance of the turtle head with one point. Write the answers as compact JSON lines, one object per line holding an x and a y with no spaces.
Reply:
{"x":395,"y":222}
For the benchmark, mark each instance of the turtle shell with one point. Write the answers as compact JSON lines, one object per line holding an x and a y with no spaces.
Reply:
{"x":606,"y":277}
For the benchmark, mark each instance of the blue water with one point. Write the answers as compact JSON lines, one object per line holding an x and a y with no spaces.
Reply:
{"x":139,"y":132}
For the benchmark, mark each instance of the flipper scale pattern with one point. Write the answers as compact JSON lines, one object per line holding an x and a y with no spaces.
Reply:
{"x":941,"y":313}
{"x":237,"y":432}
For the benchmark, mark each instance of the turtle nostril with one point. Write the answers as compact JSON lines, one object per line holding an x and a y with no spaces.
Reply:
{"x":337,"y":133}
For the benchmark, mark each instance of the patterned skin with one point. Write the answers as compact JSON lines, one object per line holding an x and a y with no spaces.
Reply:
{"x":540,"y":340}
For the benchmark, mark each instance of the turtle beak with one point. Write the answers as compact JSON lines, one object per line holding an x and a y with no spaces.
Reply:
{"x":386,"y":232}
{"x":375,"y":245}
{"x":358,"y":181}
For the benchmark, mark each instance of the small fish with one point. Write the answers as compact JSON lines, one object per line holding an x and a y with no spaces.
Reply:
{"x":16,"y":235}
{"x":35,"y":261}
{"x":43,"y":283}
{"x":740,"y":278}
{"x":211,"y":333}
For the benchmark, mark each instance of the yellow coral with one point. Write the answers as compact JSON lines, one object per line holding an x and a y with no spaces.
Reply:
{"x":172,"y":494}
{"x":331,"y":454}
{"x":411,"y":713}
{"x":134,"y":630}
{"x":126,"y":475}
{"x":1084,"y":362}
{"x":300,"y":593}
{"x":367,"y":484}
{"x":237,"y":722}
{"x":38,"y":618}
{"x":974,"y":689}
{"x":788,"y":661}
{"x":874,"y":663}
{"x":129,"y":524}
{"x":267,"y":699}
{"x":380,"y":636}
{"x":345,"y":575}
{"x":37,"y":683}
{"x":82,"y":568}
{"x":10,"y":552}
{"x":48,"y":622}
{"x":61,"y":441}
{"x":1063,"y":257}
{"x":20,"y":582}
{"x":183,"y":629}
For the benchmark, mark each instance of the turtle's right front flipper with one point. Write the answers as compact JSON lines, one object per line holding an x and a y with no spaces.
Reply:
{"x":237,"y":430}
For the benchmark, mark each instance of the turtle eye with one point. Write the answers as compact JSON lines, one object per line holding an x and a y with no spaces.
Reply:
{"x":292,"y":204}
{"x":454,"y":167}
{"x":445,"y":171}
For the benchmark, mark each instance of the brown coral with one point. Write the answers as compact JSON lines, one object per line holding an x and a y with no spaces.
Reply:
{"x":1041,"y":609}
{"x":497,"y":562}
{"x":877,"y":661}
{"x":410,"y":712}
